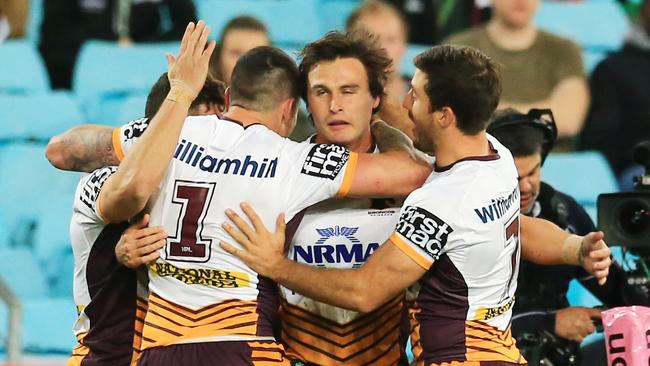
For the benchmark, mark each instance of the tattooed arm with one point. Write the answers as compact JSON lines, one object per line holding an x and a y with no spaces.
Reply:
{"x":389,"y":138}
{"x":83,"y":148}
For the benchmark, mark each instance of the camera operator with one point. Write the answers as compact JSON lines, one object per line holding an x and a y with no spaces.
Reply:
{"x":541,"y":308}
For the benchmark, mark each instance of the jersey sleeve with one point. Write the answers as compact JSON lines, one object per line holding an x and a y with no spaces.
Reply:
{"x":419,"y":233}
{"x":320,"y":172}
{"x":125,"y":137}
{"x":88,"y":191}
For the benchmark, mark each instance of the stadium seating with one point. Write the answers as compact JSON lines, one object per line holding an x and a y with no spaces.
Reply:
{"x":23,"y":71}
{"x":34,"y":20}
{"x":22,"y":273}
{"x":334,"y":13}
{"x":127,"y":110}
{"x":131,"y":71}
{"x":407,"y":67}
{"x":583,"y":175}
{"x":290,"y":22}
{"x":38,"y":116}
{"x":594,"y":25}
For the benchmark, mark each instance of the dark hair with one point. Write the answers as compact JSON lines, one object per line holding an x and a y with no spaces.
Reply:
{"x":373,"y":7}
{"x":262,"y":78}
{"x":358,"y":45}
{"x":212,"y":92}
{"x":463,"y":79}
{"x":522,"y":139}
{"x":243,"y":22}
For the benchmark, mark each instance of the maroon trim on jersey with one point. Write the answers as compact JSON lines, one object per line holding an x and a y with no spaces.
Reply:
{"x":113,"y":301}
{"x":231,"y":353}
{"x":292,"y":228}
{"x":268,"y":303}
{"x":493,"y":156}
{"x":239,"y":122}
{"x":444,"y":304}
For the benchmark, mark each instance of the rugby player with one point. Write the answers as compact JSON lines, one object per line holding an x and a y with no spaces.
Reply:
{"x":111,"y":304}
{"x":458,"y":235}
{"x":204,"y":302}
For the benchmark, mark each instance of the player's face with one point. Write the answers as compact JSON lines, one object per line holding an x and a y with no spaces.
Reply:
{"x":236,"y":43}
{"x":529,"y":169}
{"x":340,"y":102}
{"x":391,"y":34}
{"x":515,"y":13}
{"x":419,"y":109}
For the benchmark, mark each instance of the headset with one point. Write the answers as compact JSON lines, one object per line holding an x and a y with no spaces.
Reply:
{"x":542,"y":119}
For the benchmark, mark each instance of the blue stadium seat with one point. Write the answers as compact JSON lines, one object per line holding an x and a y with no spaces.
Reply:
{"x":34,"y":21}
{"x":412,"y":50}
{"x":47,"y":325}
{"x":591,"y":59}
{"x":596,"y":25}
{"x":52,"y":233}
{"x":21,"y":272}
{"x":582,"y":175}
{"x":23,"y":71}
{"x":292,"y":22}
{"x":334,"y":13}
{"x":129,"y":109}
{"x":33,"y":182}
{"x":106,"y":71}
{"x":38,"y":116}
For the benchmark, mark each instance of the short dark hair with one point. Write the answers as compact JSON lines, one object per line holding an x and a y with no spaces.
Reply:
{"x":242,"y":22}
{"x":521,"y":139}
{"x":357,"y":45}
{"x":464,"y":79}
{"x":262,"y":78}
{"x":212,"y":92}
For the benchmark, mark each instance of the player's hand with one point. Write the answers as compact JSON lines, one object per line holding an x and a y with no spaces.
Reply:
{"x":396,"y":115}
{"x":595,"y":256}
{"x":262,"y":250}
{"x":575,"y":323}
{"x":140,"y":244}
{"x":190,"y":67}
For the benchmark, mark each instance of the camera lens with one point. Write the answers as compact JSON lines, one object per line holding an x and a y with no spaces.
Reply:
{"x":634,"y":218}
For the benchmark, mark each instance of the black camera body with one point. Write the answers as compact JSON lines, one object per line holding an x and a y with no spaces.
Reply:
{"x":625,"y":217}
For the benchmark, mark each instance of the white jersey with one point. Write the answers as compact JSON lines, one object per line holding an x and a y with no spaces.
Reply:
{"x":200,"y":293}
{"x":341,"y":233}
{"x":462,"y":226}
{"x":110,"y":301}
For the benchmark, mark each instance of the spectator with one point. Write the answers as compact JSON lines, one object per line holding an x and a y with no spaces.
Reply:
{"x":384,"y":21}
{"x":240,"y":35}
{"x":619,"y":116}
{"x":540,"y":69}
{"x":431,"y":21}
{"x":13,"y":18}
{"x":68,"y":23}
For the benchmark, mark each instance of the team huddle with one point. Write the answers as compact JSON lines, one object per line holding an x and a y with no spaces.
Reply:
{"x":204,"y":236}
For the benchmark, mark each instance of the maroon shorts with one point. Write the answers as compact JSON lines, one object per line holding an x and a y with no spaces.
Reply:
{"x":225,"y":353}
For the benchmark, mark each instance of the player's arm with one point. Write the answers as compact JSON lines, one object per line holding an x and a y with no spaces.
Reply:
{"x":385,"y":275}
{"x":390,"y":174}
{"x":83,"y":148}
{"x":128,"y":190}
{"x":389,"y":138}
{"x":545,"y":243}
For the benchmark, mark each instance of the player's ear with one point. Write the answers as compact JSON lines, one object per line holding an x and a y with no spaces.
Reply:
{"x":226,"y":98}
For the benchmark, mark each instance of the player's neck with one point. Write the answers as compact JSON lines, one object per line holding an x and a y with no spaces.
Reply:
{"x":361,"y":145}
{"x":248,"y":117}
{"x":511,"y":38}
{"x":451,"y":149}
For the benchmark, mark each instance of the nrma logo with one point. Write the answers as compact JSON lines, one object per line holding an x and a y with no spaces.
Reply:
{"x":336,"y":245}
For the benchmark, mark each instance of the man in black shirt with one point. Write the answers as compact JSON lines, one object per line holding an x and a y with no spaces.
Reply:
{"x":541,"y":306}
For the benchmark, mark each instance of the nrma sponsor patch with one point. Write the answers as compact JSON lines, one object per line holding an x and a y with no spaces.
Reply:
{"x":424,"y":229}
{"x":337,"y":244}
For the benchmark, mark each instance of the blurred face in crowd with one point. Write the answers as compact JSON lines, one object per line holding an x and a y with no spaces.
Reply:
{"x":419,"y":108}
{"x":529,"y":169}
{"x":340,"y":102}
{"x":389,"y":30}
{"x":515,"y":13}
{"x":236,"y":43}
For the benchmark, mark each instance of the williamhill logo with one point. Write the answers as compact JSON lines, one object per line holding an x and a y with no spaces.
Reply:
{"x":336,"y":245}
{"x":192,"y":154}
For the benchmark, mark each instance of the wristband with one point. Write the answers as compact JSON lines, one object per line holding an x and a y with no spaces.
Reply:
{"x":572,"y":250}
{"x":181,"y":93}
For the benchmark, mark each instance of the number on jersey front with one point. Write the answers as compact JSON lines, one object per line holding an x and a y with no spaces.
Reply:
{"x":187,"y":244}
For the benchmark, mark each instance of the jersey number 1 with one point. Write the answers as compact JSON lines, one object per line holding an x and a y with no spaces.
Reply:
{"x":188,"y":245}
